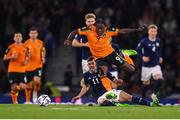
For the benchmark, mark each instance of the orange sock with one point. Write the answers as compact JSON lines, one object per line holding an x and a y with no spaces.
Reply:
{"x":14,"y":96}
{"x":128,"y":60}
{"x":106,"y":83}
{"x":28,"y":95}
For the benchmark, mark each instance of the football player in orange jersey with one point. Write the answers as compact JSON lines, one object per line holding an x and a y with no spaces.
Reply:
{"x":100,"y":44}
{"x":37,"y":53}
{"x":81,"y":41}
{"x":16,"y":55}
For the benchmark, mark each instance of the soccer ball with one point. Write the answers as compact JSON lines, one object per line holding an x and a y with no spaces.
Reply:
{"x":44,"y":100}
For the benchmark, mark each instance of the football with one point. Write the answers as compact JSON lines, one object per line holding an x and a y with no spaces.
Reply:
{"x":44,"y":100}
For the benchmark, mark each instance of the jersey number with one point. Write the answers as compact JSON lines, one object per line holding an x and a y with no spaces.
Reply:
{"x":95,"y":81}
{"x":154,"y":49}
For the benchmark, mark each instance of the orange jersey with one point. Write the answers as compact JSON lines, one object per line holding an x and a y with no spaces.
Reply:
{"x":35,"y":50}
{"x":17,"y":65}
{"x":100,"y":46}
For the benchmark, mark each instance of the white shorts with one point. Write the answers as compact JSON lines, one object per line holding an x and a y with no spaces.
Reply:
{"x":148,"y":72}
{"x":114,"y":74}
{"x":117,"y":92}
{"x":85,"y":67}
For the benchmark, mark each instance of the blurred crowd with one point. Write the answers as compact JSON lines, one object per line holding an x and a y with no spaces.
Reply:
{"x":49,"y":16}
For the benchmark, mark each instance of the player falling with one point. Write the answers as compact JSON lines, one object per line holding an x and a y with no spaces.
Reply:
{"x":99,"y":39}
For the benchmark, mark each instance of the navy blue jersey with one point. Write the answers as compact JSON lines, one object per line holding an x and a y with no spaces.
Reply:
{"x":94,"y":81}
{"x":85,"y":50}
{"x":151,"y":49}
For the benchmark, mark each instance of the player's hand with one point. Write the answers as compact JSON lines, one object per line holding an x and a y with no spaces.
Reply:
{"x":13,"y":57}
{"x":86,"y":44}
{"x":161,"y":60}
{"x":146,"y":59}
{"x":67,"y":42}
{"x":75,"y":98}
{"x":43,"y":60}
{"x":142,"y":28}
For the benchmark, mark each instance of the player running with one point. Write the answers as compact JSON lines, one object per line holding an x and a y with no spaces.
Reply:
{"x":16,"y":55}
{"x":37,"y":55}
{"x":106,"y":97}
{"x":149,"y":49}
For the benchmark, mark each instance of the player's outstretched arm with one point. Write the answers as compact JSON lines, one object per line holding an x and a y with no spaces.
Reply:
{"x":83,"y":91}
{"x":76,"y":43}
{"x":131,"y":30}
{"x":70,"y":38}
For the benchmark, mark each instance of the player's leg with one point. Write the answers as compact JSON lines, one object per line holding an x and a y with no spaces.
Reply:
{"x":158,"y":77}
{"x":121,"y":96}
{"x":29,"y":77}
{"x":14,"y":93}
{"x":145,"y":78}
{"x":120,"y":62}
{"x":101,"y":63}
{"x":13,"y":80}
{"x":37,"y":84}
{"x":124,"y":97}
{"x":22,"y":82}
{"x":103,"y":101}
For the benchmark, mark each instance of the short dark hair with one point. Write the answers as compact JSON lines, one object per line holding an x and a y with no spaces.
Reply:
{"x":100,"y":21}
{"x":33,"y":29}
{"x":91,"y":58}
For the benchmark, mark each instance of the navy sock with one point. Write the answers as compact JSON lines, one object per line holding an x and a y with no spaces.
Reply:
{"x":144,"y":90}
{"x":156,"y":86}
{"x":107,"y":103}
{"x":140,"y":101}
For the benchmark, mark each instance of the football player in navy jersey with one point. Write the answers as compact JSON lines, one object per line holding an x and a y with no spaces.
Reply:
{"x":81,"y":41}
{"x":106,"y":97}
{"x":149,"y":49}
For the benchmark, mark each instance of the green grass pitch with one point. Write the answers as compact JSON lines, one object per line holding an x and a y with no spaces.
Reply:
{"x":21,"y":111}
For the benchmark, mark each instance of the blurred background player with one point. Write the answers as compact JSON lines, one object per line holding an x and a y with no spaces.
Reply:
{"x":81,"y":41}
{"x":16,"y":55}
{"x":149,"y":49}
{"x":37,"y":55}
{"x":103,"y":96}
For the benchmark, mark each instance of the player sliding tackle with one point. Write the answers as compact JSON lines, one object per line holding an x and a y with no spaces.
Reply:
{"x":106,"y":97}
{"x":99,"y":40}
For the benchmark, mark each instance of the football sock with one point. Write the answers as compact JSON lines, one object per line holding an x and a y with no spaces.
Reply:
{"x":156,"y":86}
{"x":144,"y":90}
{"x":14,"y":96}
{"x":28,"y":95}
{"x":128,"y":60}
{"x":106,"y":83}
{"x":140,"y":101}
